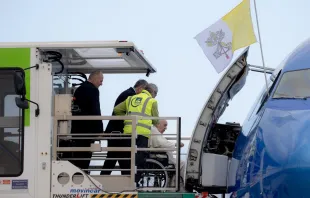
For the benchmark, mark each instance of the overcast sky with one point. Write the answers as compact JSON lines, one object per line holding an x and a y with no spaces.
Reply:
{"x":164,"y":30}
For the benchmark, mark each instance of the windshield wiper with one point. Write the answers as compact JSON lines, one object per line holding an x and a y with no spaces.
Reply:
{"x":292,"y":97}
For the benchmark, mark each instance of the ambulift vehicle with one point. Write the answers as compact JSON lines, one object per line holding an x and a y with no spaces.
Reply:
{"x":37,"y":85}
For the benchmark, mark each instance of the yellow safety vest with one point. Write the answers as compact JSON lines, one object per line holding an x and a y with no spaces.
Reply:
{"x":139,"y":105}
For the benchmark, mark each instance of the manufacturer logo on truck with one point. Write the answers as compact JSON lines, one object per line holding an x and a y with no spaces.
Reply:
{"x":85,"y":190}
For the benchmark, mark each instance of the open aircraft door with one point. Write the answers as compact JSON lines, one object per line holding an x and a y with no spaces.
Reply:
{"x":210,"y":166}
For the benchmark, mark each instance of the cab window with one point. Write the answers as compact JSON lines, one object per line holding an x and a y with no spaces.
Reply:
{"x":294,"y":84}
{"x":11,"y":128}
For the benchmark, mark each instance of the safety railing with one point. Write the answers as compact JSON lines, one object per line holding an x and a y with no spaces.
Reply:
{"x":100,"y":156}
{"x":59,"y":134}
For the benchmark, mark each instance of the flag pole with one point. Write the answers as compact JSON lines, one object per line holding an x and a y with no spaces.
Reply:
{"x":261,"y":47}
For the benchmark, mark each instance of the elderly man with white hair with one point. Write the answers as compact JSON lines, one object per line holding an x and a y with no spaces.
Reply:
{"x":157,"y":140}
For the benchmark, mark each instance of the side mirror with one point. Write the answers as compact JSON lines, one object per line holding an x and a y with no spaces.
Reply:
{"x":19,"y":83}
{"x":21,"y":103}
{"x":20,"y":89}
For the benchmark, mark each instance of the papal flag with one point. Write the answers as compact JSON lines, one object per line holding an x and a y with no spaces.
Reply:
{"x":231,"y":32}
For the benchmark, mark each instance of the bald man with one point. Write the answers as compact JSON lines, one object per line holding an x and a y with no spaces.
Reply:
{"x":87,"y":99}
{"x":157,"y":140}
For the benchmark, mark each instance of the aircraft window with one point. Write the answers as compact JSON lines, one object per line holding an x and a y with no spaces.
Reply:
{"x":265,"y":95}
{"x":263,"y":99}
{"x":11,"y":128}
{"x":294,"y":84}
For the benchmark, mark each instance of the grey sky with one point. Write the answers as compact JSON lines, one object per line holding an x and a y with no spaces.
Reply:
{"x":164,"y":30}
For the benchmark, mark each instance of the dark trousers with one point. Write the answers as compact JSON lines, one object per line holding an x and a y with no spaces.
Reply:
{"x":124,"y":164}
{"x":141,"y":142}
{"x":81,"y":163}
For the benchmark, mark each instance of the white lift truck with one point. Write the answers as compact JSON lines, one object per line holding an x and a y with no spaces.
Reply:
{"x":37,"y":82}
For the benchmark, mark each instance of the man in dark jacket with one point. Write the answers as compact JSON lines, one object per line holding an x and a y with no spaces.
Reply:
{"x":116,"y":126}
{"x":86,"y":98}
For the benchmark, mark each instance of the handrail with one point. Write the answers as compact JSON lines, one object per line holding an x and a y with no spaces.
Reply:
{"x":132,"y":117}
{"x":105,"y":136}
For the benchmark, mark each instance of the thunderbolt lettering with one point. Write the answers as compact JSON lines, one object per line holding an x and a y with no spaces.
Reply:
{"x":70,"y":196}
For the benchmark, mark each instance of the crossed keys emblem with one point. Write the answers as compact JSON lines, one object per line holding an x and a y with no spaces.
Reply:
{"x":222,"y":47}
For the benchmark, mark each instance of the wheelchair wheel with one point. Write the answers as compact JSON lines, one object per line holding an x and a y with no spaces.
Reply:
{"x":155,"y":179}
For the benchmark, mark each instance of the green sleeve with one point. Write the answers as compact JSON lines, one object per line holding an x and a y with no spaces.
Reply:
{"x":120,"y":109}
{"x":155,"y":112}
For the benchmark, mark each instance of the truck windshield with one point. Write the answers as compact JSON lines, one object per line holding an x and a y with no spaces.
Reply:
{"x":11,"y":127}
{"x":294,"y":84}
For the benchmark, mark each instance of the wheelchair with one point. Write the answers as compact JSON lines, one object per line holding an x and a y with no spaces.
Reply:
{"x":158,"y":162}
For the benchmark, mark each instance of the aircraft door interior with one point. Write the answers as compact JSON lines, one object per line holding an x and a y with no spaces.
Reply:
{"x":217,"y":166}
{"x":217,"y":159}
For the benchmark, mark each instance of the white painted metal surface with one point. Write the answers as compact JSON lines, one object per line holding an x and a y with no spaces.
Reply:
{"x":214,"y":169}
{"x":65,"y":179}
{"x":43,"y":130}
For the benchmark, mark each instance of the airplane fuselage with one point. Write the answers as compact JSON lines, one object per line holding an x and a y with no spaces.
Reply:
{"x":273,"y":148}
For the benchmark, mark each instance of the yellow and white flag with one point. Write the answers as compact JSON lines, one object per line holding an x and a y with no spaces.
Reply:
{"x":231,"y":32}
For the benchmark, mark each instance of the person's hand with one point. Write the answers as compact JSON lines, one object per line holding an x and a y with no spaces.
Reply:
{"x":181,"y":144}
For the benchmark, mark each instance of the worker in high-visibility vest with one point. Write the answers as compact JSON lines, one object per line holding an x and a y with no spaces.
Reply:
{"x":145,"y":105}
{"x":117,"y":126}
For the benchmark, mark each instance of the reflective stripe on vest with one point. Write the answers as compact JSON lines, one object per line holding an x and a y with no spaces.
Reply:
{"x":139,"y":114}
{"x":143,"y":108}
{"x":141,"y":128}
{"x":139,"y":124}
